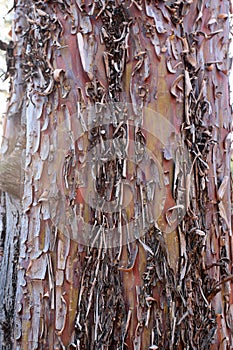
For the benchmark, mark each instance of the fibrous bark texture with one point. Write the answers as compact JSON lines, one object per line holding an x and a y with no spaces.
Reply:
{"x":9,"y":253}
{"x":125,"y":239}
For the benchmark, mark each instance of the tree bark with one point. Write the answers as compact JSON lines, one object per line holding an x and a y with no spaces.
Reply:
{"x":9,"y":239}
{"x":124,"y":226}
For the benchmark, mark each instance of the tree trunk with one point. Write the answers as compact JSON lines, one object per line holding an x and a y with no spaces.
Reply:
{"x":122,"y":238}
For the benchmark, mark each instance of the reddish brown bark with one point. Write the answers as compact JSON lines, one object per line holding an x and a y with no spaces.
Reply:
{"x":126,"y":102}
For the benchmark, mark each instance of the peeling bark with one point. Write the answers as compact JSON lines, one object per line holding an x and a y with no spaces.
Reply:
{"x":125,"y":238}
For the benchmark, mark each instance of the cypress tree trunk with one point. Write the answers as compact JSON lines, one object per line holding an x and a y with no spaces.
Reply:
{"x":116,"y":225}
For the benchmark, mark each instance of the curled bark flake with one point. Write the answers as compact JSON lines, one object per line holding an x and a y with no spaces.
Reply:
{"x":169,"y":66}
{"x":191,"y":59}
{"x":59,"y":75}
{"x":188,"y":84}
{"x":156,"y":43}
{"x":210,"y":35}
{"x":155,"y":13}
{"x":172,"y":217}
{"x":212,"y":21}
{"x":173,"y":47}
{"x":223,"y":16}
{"x":87,"y":50}
{"x":176,"y":86}
{"x":36,"y":136}
{"x":200,"y":13}
{"x":37,"y":268}
{"x":137,"y":3}
{"x":129,"y":316}
{"x":106,"y":63}
{"x":81,"y":116}
{"x":223,"y":214}
{"x":140,"y":58}
{"x":39,"y":103}
{"x":75,"y":19}
{"x":48,"y":90}
{"x":61,"y":311}
{"x":85,"y":24}
{"x":223,"y":187}
{"x":41,"y":13}
{"x":130,"y":268}
{"x":185,"y":44}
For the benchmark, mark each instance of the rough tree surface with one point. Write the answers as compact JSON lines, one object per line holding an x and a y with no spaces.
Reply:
{"x":119,"y":236}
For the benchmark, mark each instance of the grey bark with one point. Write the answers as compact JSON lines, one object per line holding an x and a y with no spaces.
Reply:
{"x":9,"y":252}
